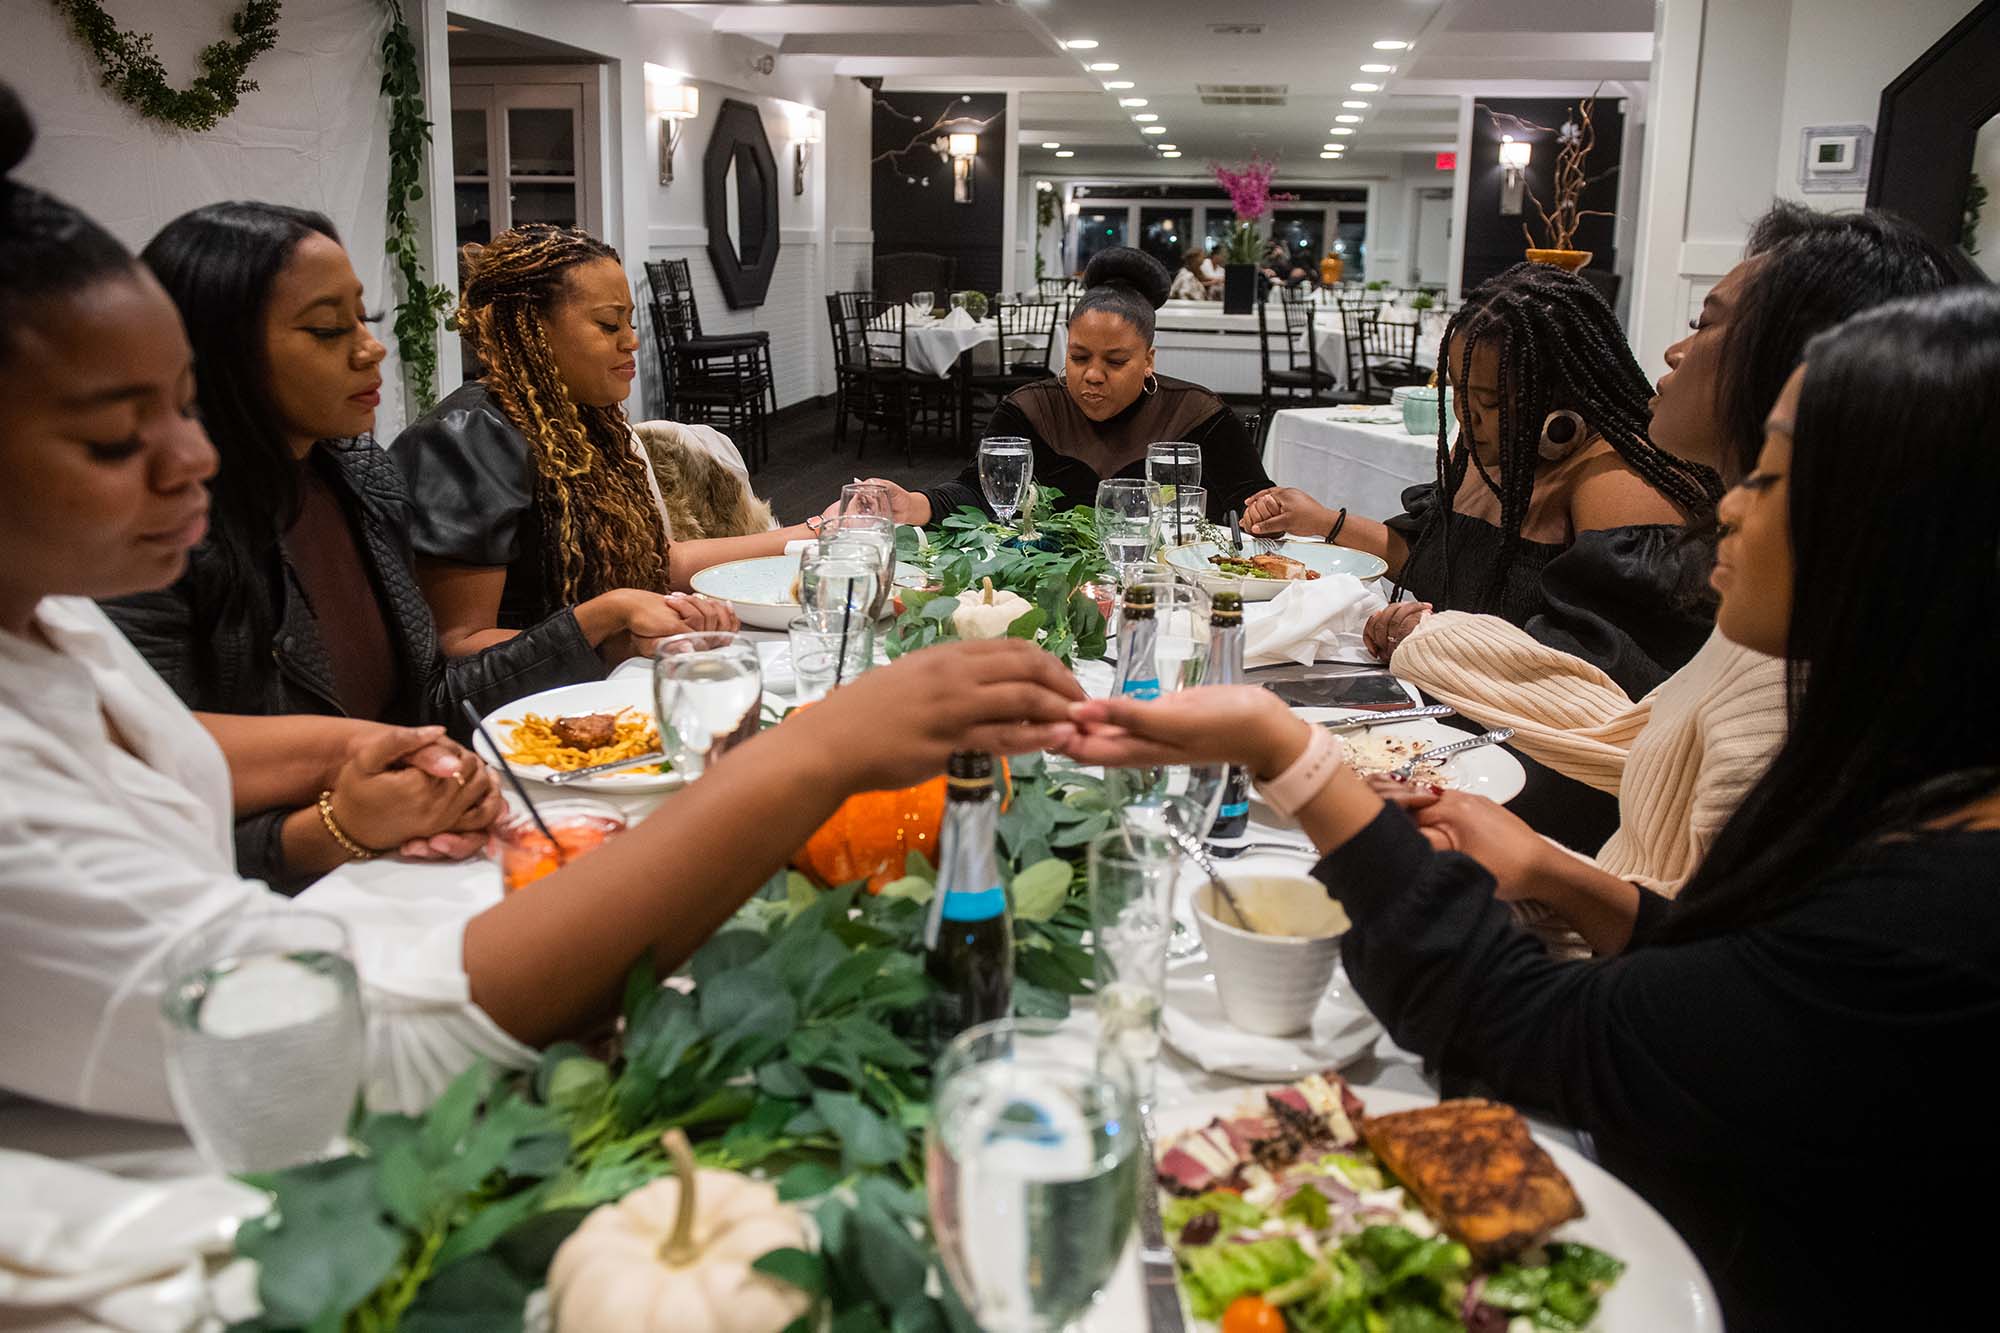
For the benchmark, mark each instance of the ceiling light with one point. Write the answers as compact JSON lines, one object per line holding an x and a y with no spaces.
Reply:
{"x":1102,"y":67}
{"x":1066,"y":153}
{"x":1173,"y":154}
{"x":1131,"y":101}
{"x":1081,"y":44}
{"x":1391,"y":44}
{"x":1152,"y":129}
{"x":1166,"y":147}
{"x":1378,"y":69}
{"x":1353,"y":105}
{"x":1145,"y":116}
{"x":1340,"y":129}
{"x":1347,"y":120}
{"x":1329,"y":148}
{"x":1329,"y":157}
{"x":1052,"y":144}
{"x":1364,"y":87}
{"x":1117,"y":84}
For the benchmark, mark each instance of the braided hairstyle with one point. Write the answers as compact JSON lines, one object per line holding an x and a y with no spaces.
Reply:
{"x":600,"y":527}
{"x":1560,"y":349}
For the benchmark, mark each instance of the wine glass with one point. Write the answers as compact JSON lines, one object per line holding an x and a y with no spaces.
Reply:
{"x":1006,"y":469}
{"x":1125,"y":522}
{"x":925,"y":302}
{"x":708,"y":688}
{"x":264,"y":1037}
{"x":877,"y":535}
{"x":1131,"y":876}
{"x":1033,"y":1172}
{"x":867,"y":497}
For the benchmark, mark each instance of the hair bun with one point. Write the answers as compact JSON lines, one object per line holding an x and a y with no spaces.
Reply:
{"x":17,"y":132}
{"x":1124,"y":266}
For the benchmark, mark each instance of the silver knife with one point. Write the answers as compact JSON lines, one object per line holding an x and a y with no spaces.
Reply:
{"x":1400,"y":715}
{"x":1235,"y":535}
{"x":1157,"y":1270}
{"x":1497,"y":736}
{"x":572,"y":774}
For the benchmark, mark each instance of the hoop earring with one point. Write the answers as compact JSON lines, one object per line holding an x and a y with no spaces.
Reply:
{"x":1562,"y":432}
{"x":1151,"y":384}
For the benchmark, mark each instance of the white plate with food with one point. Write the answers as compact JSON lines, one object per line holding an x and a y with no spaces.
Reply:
{"x":763,"y":590}
{"x":1488,"y":771}
{"x":1483,"y":1209}
{"x":578,"y":726}
{"x":1262,"y":577}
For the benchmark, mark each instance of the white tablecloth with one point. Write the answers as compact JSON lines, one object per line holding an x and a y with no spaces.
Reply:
{"x":1345,"y":462}
{"x":1330,"y":339}
{"x":933,"y":346}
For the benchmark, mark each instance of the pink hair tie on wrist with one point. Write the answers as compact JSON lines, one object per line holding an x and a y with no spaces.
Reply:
{"x":1289,"y":792}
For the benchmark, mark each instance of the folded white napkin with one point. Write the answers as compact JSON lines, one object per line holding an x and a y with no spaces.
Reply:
{"x":1311,"y":620}
{"x":129,"y":1254}
{"x":1192,"y":1022}
{"x":959,"y":318}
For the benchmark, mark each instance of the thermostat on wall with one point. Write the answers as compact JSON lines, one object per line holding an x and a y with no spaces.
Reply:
{"x":1833,"y":159}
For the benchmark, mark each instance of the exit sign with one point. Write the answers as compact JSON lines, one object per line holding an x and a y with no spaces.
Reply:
{"x":1447,"y":161}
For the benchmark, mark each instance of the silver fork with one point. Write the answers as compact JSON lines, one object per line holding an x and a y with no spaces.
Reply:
{"x":1497,"y":736}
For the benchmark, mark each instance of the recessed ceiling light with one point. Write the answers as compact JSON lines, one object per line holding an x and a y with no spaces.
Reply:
{"x":1391,"y":44}
{"x":1167,"y":147}
{"x":1145,"y":116}
{"x":1355,"y":105}
{"x":1081,"y":43}
{"x":1131,"y":101}
{"x":1152,"y":129}
{"x":1169,"y":152}
{"x":1052,"y":144}
{"x":1116,"y":84}
{"x":1102,"y":67}
{"x":1364,"y":87}
{"x":1378,"y":69}
{"x":1066,"y":153}
{"x":1347,"y":120}
{"x":1325,"y":157}
{"x":1329,"y":148}
{"x":1340,"y":129}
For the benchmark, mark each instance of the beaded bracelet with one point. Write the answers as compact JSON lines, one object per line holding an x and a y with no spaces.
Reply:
{"x":339,"y":834}
{"x":1289,"y":792}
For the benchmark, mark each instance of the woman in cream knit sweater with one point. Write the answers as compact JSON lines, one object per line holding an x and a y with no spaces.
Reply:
{"x":1679,"y":759}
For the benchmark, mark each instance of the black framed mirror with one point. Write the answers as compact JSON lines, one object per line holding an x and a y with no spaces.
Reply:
{"x":740,"y":204}
{"x":1929,"y":122}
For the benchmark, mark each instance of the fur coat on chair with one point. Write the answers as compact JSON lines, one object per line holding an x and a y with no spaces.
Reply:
{"x":703,"y":483}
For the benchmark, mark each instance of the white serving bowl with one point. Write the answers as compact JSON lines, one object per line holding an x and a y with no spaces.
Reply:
{"x":1271,"y":984}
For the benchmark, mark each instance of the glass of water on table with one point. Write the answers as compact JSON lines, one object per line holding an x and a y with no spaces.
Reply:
{"x":1127,"y":526}
{"x":1132,"y":874}
{"x":1033,"y":1170}
{"x":876,"y":534}
{"x":264,"y":1037}
{"x":709,"y":690}
{"x":1006,"y":471}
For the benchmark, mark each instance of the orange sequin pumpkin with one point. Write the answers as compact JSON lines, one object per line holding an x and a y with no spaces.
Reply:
{"x":873,"y":832}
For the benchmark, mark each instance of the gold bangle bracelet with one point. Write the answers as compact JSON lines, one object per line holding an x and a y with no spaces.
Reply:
{"x":339,"y":834}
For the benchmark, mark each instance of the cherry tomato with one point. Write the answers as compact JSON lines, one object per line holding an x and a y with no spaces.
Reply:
{"x":1252,"y":1314}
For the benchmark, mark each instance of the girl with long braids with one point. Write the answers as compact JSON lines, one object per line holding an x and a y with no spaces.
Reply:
{"x":531,"y":491}
{"x":1552,"y":508}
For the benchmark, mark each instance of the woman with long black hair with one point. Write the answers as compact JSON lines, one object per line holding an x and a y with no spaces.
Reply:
{"x":1779,"y":1059}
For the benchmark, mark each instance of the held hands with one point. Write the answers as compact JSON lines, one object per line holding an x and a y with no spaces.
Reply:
{"x":1490,"y":834}
{"x":1387,"y":628}
{"x":1287,"y":509}
{"x":413,"y":790}
{"x":650,"y":617}
{"x":1237,"y":724}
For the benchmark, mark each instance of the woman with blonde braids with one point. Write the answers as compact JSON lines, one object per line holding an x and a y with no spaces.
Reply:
{"x":531,"y":492}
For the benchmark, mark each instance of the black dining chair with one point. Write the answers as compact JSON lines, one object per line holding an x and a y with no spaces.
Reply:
{"x":1292,"y":375}
{"x":674,"y":277}
{"x":1389,"y":347}
{"x":725,"y":387}
{"x":900,"y":400}
{"x":1025,"y":336}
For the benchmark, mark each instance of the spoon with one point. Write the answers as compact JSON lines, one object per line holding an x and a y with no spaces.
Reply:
{"x":1191,"y":845}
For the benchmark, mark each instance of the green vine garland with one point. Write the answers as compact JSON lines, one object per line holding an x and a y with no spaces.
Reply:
{"x":131,"y":71}
{"x":423,"y":304}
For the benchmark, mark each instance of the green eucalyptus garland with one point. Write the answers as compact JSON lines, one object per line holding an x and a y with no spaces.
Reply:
{"x":131,"y":71}
{"x":423,"y":304}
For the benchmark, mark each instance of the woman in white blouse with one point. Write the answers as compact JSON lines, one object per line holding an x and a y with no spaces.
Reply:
{"x":115,"y":803}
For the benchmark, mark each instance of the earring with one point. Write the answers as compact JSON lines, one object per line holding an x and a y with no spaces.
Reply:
{"x":1151,"y":383}
{"x":1562,"y":432}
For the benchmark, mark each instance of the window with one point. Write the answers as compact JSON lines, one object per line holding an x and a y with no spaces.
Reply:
{"x":524,"y":142}
{"x":1303,"y":233}
{"x":1166,"y":234}
{"x":1097,"y":229}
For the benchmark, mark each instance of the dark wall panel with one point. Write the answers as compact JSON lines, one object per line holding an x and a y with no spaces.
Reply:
{"x":1493,"y":241}
{"x":912,"y":215}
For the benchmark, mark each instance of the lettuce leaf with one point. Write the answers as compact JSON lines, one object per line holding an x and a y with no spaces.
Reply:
{"x":1217,"y":1274}
{"x":1230,"y":1209}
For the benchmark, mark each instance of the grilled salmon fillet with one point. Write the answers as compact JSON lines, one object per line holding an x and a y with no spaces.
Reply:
{"x":1474,"y":1167}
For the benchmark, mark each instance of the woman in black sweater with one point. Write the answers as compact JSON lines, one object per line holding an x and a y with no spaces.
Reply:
{"x":1781,"y":1058}
{"x":1094,"y":420}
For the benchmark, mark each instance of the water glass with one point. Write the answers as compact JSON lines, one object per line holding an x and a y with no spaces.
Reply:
{"x":924,"y":301}
{"x":877,"y":535}
{"x":1173,"y":463}
{"x":867,"y":497}
{"x":1132,"y":875}
{"x":708,"y":689}
{"x":1126,"y":525}
{"x":1181,"y":516}
{"x":1153,"y":801}
{"x":265,"y":1042}
{"x":958,"y":300}
{"x":840,"y":582}
{"x":824,"y":658}
{"x":1006,"y":470}
{"x":1033,"y":1172}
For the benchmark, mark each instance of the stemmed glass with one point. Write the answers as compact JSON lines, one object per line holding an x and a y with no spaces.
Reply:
{"x":1126,"y":524}
{"x":925,"y":302}
{"x":1006,"y":470}
{"x":867,"y":497}
{"x":1033,"y":1172}
{"x":265,"y":1041}
{"x":1132,"y":874}
{"x":708,"y":688}
{"x":876,"y":535}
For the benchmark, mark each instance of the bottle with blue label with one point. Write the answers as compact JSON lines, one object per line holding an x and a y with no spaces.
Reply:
{"x":1225,"y":667}
{"x":969,"y":935}
{"x":1138,"y":644}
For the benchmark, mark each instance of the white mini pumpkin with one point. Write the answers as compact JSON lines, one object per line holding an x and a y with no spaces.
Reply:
{"x":663,"y":1261}
{"x":985,"y":613}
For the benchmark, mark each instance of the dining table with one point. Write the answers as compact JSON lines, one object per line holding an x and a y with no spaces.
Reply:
{"x":1359,"y":456}
{"x":155,"y":1152}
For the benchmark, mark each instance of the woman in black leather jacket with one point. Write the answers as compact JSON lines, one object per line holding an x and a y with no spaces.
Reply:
{"x":302,"y":599}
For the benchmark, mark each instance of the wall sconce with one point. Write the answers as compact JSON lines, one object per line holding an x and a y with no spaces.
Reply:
{"x":673,"y":102}
{"x":1514,"y":157}
{"x":805,"y":133}
{"x":963,"y":149}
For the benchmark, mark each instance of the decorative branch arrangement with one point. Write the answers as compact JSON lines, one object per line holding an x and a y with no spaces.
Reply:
{"x":423,"y":304}
{"x":932,"y":139}
{"x":131,"y":72}
{"x":1576,"y":138}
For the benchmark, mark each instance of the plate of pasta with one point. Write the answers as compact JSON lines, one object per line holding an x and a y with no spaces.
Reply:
{"x":581,"y":726}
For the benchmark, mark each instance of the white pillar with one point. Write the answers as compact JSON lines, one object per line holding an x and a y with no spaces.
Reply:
{"x":1010,"y":207}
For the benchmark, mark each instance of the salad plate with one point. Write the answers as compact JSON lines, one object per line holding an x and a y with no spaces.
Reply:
{"x":1196,"y":561}
{"x":760,"y":589}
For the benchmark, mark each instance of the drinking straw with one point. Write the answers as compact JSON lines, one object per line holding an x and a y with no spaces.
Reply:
{"x":846,"y":618}
{"x":479,"y":728}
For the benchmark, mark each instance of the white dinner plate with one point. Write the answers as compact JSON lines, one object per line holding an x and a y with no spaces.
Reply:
{"x":632,"y":689}
{"x":1662,"y":1287}
{"x":760,"y":589}
{"x":1192,"y":559}
{"x":1488,"y":771}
